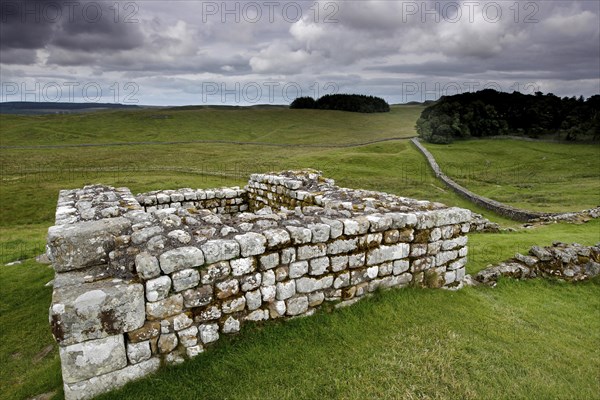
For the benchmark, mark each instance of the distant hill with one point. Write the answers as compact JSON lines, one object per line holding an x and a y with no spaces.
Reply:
{"x":32,"y":107}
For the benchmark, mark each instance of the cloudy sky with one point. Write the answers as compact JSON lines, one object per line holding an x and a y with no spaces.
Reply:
{"x":243,"y":52}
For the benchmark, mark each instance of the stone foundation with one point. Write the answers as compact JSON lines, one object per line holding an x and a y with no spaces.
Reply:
{"x":160,"y":277}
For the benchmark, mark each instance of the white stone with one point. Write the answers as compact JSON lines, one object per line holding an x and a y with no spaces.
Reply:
{"x":231,"y":306}
{"x":193,"y":351}
{"x":285,"y":290}
{"x":372,"y":272}
{"x":379,"y":222}
{"x":94,"y":386}
{"x":258,"y":315}
{"x":356,"y":260}
{"x":181,"y":258}
{"x":185,"y":279}
{"x":277,"y":237}
{"x":387,"y":253}
{"x":269,"y":261}
{"x":253,"y":300}
{"x":339,"y":263}
{"x":147,"y":266}
{"x":356,"y":226}
{"x":164,"y":308}
{"x":320,"y":232}
{"x":298,"y":268}
{"x":138,"y":352}
{"x":158,"y":288}
{"x":297,"y":305}
{"x":188,"y":337}
{"x":311,"y":251}
{"x":336,"y":227}
{"x":342,"y":246}
{"x":435,"y":235}
{"x":400,"y":266}
{"x":342,"y":280}
{"x":208,"y":333}
{"x":299,"y":235}
{"x":288,"y":255}
{"x":251,"y":244}
{"x":251,"y":282}
{"x":242,"y":266}
{"x":231,"y":325}
{"x":306,"y":285}
{"x":220,"y":250}
{"x":215,"y":272}
{"x":268,"y":293}
{"x":180,"y":236}
{"x":268,"y":277}
{"x":318,"y":266}
{"x":95,"y":357}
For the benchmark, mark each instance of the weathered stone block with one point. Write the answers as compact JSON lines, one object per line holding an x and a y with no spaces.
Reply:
{"x":165,"y":308}
{"x":147,"y":266}
{"x":277,"y":237}
{"x":158,"y":288}
{"x":342,"y":246}
{"x":197,"y":297}
{"x":243,"y":266}
{"x":84,"y":244}
{"x":220,"y":250}
{"x":96,"y":310}
{"x":181,"y":258}
{"x":185,"y":279}
{"x":231,"y":306}
{"x":99,"y":384}
{"x":251,"y":282}
{"x":297,"y":305}
{"x":209,"y":333}
{"x":215,"y":272}
{"x":138,"y":352}
{"x":387,"y":253}
{"x":85,"y":360}
{"x":299,"y":235}
{"x":251,"y":244}
{"x":319,"y":266}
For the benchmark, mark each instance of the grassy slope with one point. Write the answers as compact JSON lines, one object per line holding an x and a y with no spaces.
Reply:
{"x":419,"y":342}
{"x":269,"y":125}
{"x":532,"y":175}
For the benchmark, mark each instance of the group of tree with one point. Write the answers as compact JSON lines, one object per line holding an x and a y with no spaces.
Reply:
{"x":492,"y":113}
{"x":343,"y":102}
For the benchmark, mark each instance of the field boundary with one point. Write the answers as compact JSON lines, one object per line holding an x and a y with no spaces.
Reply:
{"x":505,"y":210}
{"x":271,"y":144}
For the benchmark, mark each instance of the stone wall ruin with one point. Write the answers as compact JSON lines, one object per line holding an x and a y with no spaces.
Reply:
{"x":159,"y":277}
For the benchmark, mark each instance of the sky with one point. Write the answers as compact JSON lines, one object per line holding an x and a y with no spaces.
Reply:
{"x":270,"y":52}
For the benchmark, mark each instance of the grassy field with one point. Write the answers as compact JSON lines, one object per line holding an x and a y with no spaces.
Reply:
{"x":250,"y":125}
{"x":521,"y":340}
{"x":537,"y":176}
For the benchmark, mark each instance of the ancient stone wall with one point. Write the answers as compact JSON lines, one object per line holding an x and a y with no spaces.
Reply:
{"x":572,"y":262}
{"x":158,"y":279}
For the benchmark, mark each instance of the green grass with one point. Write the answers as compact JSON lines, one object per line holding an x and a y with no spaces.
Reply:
{"x":539,"y":176}
{"x":253,"y":125}
{"x":489,"y":248}
{"x":521,"y":340}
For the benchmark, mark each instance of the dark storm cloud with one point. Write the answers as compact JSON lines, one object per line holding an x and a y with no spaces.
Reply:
{"x":366,"y":46}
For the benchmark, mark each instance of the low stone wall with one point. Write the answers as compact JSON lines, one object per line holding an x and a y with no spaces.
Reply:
{"x":223,"y":201}
{"x":138,"y":285}
{"x":569,"y":262}
{"x":493,"y":205}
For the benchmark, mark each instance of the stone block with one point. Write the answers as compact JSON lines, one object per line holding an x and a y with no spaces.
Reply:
{"x":85,"y":360}
{"x":96,"y":310}
{"x":181,"y":258}
{"x":84,"y":244}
